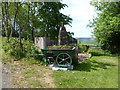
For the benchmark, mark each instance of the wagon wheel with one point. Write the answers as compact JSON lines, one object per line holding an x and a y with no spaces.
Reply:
{"x":64,"y":59}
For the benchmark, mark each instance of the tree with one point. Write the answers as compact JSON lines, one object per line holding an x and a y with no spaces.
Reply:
{"x":5,"y":23}
{"x":27,"y":20}
{"x":34,"y":19}
{"x":107,"y":25}
{"x":51,"y":18}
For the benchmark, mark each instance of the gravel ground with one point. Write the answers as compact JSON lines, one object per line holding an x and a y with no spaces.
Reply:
{"x":6,"y":77}
{"x":0,"y":75}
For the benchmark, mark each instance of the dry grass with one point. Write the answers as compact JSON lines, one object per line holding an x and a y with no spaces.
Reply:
{"x":25,"y":74}
{"x":31,"y":75}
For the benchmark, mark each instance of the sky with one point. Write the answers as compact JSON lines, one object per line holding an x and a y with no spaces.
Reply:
{"x":81,"y":12}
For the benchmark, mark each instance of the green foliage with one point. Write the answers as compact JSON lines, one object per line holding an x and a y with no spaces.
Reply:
{"x":33,"y":19}
{"x":96,"y":52}
{"x":44,"y":61}
{"x":112,"y":42}
{"x":106,"y":25}
{"x":13,"y":47}
{"x":49,"y":13}
{"x":29,"y":48}
{"x":69,"y":36}
{"x":28,"y":52}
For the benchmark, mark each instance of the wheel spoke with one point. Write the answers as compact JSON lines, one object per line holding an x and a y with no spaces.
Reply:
{"x":67,"y":62}
{"x":60,"y":61}
{"x":64,"y":59}
{"x":67,"y":58}
{"x":60,"y":58}
{"x":63,"y":56}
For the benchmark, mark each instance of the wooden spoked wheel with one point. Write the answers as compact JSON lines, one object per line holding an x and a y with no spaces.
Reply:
{"x":64,"y":59}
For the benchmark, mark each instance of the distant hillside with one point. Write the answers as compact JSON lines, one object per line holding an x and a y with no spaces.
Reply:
{"x":87,"y":40}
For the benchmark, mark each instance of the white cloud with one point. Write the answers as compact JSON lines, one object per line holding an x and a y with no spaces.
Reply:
{"x":81,"y":12}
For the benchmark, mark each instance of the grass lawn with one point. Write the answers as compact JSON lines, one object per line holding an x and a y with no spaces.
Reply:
{"x":96,"y":72}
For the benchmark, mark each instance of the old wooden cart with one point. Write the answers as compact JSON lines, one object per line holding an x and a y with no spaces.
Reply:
{"x":61,"y":57}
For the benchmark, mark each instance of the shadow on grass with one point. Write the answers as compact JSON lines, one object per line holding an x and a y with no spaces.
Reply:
{"x":96,"y":65}
{"x":98,"y":54}
{"x":105,"y":54}
{"x":85,"y":66}
{"x":92,"y":65}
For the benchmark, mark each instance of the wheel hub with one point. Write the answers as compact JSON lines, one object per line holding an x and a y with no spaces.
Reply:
{"x":64,"y":59}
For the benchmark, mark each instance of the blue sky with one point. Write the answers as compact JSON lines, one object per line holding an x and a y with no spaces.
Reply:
{"x":81,"y":12}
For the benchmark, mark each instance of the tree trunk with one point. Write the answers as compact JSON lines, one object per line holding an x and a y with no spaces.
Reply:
{"x":20,"y":30}
{"x":15,"y":17}
{"x":3,"y":21}
{"x":28,"y":19}
{"x":20,"y":39}
{"x":33,"y":26}
{"x":6,"y":20}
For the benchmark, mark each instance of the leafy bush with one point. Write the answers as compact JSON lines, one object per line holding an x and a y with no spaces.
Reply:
{"x":112,"y":42}
{"x":29,"y":48}
{"x":13,"y":47}
{"x":96,"y":52}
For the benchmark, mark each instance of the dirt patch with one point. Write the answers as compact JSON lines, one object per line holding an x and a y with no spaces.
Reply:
{"x":0,"y":75}
{"x":6,"y":77}
{"x":27,"y":75}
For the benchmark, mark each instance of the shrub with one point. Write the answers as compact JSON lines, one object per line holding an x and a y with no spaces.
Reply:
{"x":13,"y":47}
{"x":96,"y":52}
